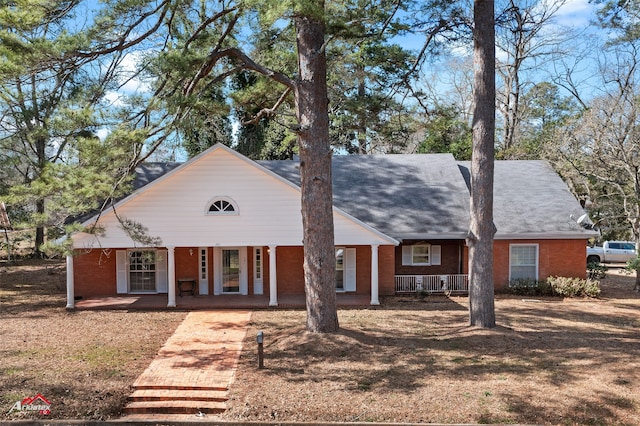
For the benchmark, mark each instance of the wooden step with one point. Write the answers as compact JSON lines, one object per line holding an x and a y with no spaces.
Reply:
{"x":178,"y":395}
{"x":175,"y":407}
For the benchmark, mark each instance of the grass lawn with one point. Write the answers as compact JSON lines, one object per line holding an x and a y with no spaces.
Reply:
{"x":549,"y":361}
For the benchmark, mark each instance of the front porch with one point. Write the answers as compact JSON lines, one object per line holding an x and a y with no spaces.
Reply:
{"x":159,"y":302}
{"x":451,"y":283}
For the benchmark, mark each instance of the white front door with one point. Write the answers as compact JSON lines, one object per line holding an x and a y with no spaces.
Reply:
{"x":230,"y":270}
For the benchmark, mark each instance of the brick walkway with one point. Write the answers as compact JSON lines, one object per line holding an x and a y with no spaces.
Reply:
{"x":192,"y":372}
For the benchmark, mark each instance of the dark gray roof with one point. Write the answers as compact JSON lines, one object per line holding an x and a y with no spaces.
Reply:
{"x":530,"y":198}
{"x":415,"y":196}
{"x":148,"y":172}
{"x":426,"y":196}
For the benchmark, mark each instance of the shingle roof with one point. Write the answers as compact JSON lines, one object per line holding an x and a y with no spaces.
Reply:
{"x":148,"y":172}
{"x":531,"y":200}
{"x":416,"y":196}
{"x":426,"y":196}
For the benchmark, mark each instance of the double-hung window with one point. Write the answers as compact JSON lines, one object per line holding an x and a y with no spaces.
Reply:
{"x":421,"y":255}
{"x":523,"y":261}
{"x":142,"y":270}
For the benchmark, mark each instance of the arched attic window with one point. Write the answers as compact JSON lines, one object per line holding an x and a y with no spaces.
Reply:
{"x":222,"y":206}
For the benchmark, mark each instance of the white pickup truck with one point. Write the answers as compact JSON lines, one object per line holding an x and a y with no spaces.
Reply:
{"x":612,"y":251}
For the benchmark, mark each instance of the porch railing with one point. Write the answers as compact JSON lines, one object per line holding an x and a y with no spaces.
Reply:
{"x":455,"y":283}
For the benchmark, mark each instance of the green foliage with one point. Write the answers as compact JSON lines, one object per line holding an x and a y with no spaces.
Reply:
{"x":596,"y":270}
{"x":633,"y":265}
{"x":543,"y":110}
{"x":555,"y":286}
{"x":446,"y":132}
{"x":620,"y":16}
{"x":529,"y":287}
{"x":574,"y":287}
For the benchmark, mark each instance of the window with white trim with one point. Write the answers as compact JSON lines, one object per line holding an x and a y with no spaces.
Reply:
{"x":421,"y":255}
{"x":523,"y":261}
{"x":345,"y":269}
{"x":257,"y":263}
{"x":142,"y":270}
{"x":340,"y":268}
{"x":222,"y":206}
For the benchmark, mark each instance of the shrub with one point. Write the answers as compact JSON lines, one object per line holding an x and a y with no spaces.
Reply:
{"x":574,"y":287}
{"x":596,"y":271}
{"x":555,"y":286}
{"x":529,"y":287}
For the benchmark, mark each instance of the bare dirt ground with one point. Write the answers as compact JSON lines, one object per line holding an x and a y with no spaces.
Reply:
{"x":549,"y":361}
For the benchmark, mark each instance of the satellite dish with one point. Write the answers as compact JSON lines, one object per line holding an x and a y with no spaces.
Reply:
{"x":585,"y":221}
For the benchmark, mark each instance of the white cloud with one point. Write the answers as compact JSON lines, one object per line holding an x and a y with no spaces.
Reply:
{"x":102,"y":133}
{"x":131,"y":83}
{"x":576,"y":13}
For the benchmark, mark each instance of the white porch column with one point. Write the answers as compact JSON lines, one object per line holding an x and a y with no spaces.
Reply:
{"x":374,"y":275}
{"x":171,"y":277}
{"x":273,"y":281}
{"x":71,"y":303}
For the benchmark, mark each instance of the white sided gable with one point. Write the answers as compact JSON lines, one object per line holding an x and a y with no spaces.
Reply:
{"x":174,"y":208}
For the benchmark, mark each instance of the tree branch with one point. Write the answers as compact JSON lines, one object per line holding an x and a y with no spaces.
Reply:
{"x":267,"y":112}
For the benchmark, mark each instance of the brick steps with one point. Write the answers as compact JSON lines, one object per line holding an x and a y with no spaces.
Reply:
{"x":178,"y":395}
{"x":171,"y":400}
{"x":180,"y":388}
{"x":175,"y":407}
{"x":193,"y":370}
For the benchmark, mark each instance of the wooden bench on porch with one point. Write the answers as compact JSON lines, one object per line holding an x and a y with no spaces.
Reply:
{"x":187,"y":285}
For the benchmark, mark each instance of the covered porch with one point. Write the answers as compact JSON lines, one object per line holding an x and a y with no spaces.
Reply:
{"x":159,"y":302}
{"x":443,"y":283}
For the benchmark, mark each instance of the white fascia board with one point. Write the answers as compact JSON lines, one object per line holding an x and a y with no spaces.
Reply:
{"x":547,"y":236}
{"x":433,"y":236}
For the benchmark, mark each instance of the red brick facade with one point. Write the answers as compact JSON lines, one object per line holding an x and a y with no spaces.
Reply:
{"x":564,"y":258}
{"x":95,"y":273}
{"x":95,"y":270}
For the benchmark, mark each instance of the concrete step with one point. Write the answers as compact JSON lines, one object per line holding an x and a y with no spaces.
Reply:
{"x":175,"y":407}
{"x":178,"y":395}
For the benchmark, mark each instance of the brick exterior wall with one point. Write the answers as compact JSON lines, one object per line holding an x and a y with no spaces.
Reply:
{"x":94,"y":273}
{"x":386,"y":271}
{"x":95,"y":270}
{"x":565,"y":258}
{"x":290,"y":271}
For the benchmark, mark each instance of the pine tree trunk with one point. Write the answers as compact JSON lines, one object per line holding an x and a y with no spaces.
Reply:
{"x":315,"y":176}
{"x":41,"y":145}
{"x":482,"y":229}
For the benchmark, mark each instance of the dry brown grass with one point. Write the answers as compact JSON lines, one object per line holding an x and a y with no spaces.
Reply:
{"x":83,"y":362}
{"x":550,"y":361}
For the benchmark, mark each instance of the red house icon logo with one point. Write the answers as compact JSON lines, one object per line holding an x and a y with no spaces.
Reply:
{"x":36,"y":403}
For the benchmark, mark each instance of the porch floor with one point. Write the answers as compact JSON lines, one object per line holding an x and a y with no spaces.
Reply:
{"x":159,"y":302}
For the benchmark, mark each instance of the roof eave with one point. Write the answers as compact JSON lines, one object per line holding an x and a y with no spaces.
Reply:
{"x":584,"y":235}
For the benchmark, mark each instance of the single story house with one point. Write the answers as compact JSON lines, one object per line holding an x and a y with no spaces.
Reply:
{"x":225,"y":224}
